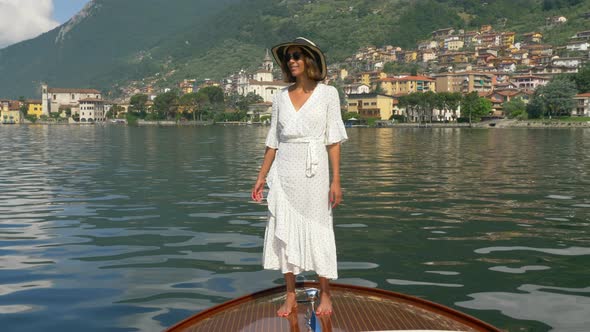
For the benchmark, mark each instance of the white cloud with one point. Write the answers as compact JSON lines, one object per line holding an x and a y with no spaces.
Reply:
{"x":24,"y":19}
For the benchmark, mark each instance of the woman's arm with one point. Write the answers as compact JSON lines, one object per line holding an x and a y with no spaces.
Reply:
{"x":257,"y":190}
{"x":335,"y":190}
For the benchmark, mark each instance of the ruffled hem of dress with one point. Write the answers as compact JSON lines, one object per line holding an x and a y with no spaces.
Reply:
{"x":290,"y":238}
{"x":336,"y":135}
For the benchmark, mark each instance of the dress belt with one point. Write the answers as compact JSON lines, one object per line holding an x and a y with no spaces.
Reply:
{"x":313,"y":148}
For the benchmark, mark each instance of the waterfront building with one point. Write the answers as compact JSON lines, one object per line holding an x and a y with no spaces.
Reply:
{"x":34,"y":107}
{"x":92,"y":110}
{"x":4,"y":104}
{"x":371,"y":105}
{"x":10,"y":112}
{"x":260,"y":111}
{"x":60,"y":99}
{"x":582,"y":104}
{"x":499,"y":97}
{"x":435,"y":115}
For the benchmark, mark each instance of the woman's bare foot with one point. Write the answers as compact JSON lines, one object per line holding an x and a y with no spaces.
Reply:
{"x":289,"y":305}
{"x":325,"y":307}
{"x":293,"y":319}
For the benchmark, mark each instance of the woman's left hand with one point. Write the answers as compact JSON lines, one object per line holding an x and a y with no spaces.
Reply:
{"x":335,"y":194}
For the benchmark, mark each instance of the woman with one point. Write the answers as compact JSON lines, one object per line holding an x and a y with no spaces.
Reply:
{"x":303,"y":141}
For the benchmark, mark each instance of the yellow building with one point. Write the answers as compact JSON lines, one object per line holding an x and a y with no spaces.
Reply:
{"x":532,"y":37}
{"x":371,"y":105}
{"x":34,"y":107}
{"x":343,"y":74}
{"x":410,"y":56}
{"x":10,"y":113}
{"x":507,"y":39}
{"x":187,"y":86}
{"x":455,"y":57}
{"x":404,"y":85}
{"x":368,"y":78}
{"x":455,"y":45}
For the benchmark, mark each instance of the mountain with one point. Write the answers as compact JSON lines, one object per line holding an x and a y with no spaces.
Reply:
{"x":112,"y":42}
{"x":108,"y":40}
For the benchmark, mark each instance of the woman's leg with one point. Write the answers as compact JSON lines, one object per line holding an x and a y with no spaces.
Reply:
{"x":325,"y":307}
{"x":291,"y":300}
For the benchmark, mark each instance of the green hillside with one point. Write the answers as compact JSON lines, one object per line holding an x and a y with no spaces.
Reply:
{"x":119,"y":41}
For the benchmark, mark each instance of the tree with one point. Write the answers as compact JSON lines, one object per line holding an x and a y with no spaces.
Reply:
{"x":214,"y":93}
{"x":535,"y":108}
{"x":165,"y":105}
{"x":193,"y":103}
{"x":23,"y":106}
{"x":410,"y":103}
{"x":138,"y":103}
{"x":557,"y":96}
{"x":242,"y":102}
{"x":514,"y":108}
{"x":427,"y":101}
{"x":115,"y":112}
{"x":582,"y":79}
{"x":474,"y":107}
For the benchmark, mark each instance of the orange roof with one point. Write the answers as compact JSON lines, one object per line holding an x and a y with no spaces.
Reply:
{"x":585,"y":94}
{"x":14,"y":106}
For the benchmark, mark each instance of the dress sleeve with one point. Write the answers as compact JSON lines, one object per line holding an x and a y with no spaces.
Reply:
{"x":335,"y":132}
{"x":272,"y":138}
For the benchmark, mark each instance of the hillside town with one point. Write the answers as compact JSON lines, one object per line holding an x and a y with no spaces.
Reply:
{"x":500,"y":66}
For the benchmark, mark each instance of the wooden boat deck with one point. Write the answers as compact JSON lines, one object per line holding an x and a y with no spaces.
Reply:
{"x":355,"y":309}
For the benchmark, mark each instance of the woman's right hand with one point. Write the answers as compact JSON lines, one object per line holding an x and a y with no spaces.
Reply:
{"x":258,"y":190}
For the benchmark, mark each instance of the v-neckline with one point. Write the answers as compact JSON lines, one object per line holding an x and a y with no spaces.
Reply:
{"x":304,"y":103}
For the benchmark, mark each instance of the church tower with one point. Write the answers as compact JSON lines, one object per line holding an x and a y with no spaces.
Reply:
{"x":267,"y":63}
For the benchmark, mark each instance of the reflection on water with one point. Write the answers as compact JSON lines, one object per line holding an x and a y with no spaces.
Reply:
{"x":564,"y":309}
{"x":109,"y":228}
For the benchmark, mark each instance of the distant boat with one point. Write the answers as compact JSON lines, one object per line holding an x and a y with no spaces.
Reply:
{"x":355,"y":309}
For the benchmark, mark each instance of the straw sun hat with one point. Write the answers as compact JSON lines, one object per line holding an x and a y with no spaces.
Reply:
{"x":311,"y":49}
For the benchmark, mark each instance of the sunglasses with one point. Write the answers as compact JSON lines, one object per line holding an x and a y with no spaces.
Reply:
{"x":295,"y":56}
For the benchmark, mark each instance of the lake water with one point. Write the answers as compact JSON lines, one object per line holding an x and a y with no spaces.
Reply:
{"x":113,"y":228}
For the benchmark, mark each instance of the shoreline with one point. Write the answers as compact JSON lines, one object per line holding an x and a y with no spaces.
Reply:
{"x":491,"y":124}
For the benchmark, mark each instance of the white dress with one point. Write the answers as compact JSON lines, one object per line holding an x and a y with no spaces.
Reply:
{"x":299,"y":235}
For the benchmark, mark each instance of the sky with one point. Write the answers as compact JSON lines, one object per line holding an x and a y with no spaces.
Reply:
{"x":25,"y":19}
